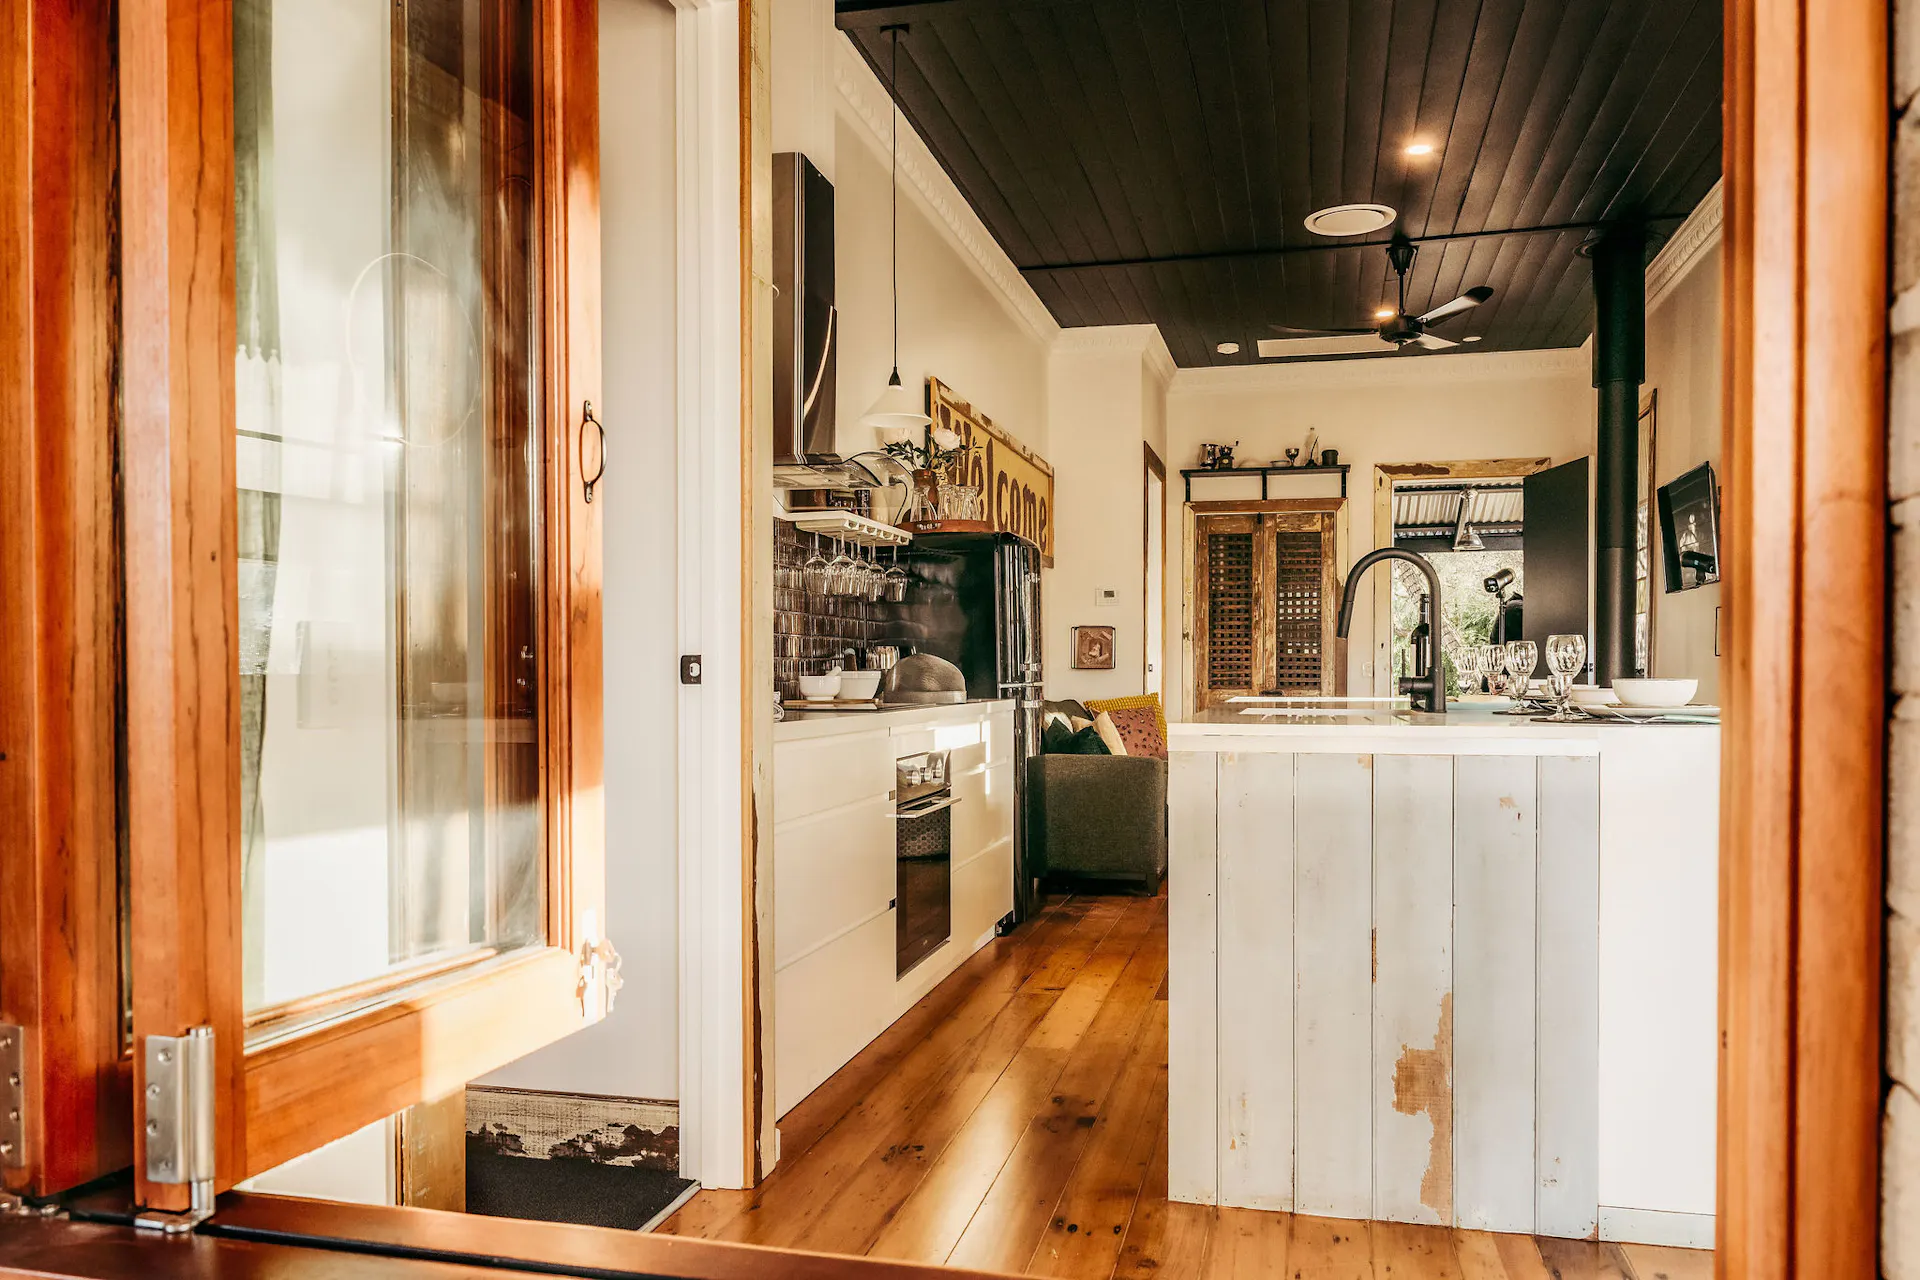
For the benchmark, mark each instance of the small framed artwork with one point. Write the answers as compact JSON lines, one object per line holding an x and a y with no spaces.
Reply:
{"x":1093,"y":648}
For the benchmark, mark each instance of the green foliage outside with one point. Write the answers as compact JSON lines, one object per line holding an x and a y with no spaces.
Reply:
{"x":1467,"y":610}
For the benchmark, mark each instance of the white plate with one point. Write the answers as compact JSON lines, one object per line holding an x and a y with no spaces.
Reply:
{"x":1642,"y":713}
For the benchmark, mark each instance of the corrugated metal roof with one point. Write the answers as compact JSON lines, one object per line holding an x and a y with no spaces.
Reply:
{"x":1429,"y":508}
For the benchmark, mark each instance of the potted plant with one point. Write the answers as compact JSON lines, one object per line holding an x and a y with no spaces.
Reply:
{"x":931,"y":460}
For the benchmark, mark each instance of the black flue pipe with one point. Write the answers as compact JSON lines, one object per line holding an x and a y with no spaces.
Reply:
{"x":1619,"y":368}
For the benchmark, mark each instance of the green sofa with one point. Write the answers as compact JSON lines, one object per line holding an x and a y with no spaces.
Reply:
{"x":1098,"y":818}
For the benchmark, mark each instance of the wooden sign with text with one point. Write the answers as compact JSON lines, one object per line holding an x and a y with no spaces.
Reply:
{"x":1016,"y":484}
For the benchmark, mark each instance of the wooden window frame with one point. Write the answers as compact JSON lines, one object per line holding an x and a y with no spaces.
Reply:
{"x":1803,"y":778}
{"x":277,"y":1100}
{"x":1384,"y":476}
{"x":60,"y":948}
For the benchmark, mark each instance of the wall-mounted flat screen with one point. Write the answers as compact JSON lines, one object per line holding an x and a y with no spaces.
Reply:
{"x":1690,"y":529}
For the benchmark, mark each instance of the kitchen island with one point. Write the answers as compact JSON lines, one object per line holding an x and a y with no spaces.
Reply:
{"x":1452,"y":969}
{"x":836,"y":983}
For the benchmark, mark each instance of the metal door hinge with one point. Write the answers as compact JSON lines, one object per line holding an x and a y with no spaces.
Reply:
{"x":13,"y":1096}
{"x":600,"y":979}
{"x":177,"y":1111}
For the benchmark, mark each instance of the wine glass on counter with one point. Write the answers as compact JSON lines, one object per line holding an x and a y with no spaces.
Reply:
{"x":1492,"y":663}
{"x":1522,"y":657}
{"x":1565,"y":656}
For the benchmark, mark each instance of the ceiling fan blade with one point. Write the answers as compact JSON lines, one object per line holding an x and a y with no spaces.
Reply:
{"x":1319,"y":333}
{"x":1465,"y":302}
{"x":1434,"y":342}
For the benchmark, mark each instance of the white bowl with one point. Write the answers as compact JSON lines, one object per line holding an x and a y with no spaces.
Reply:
{"x":1586,"y":695}
{"x":859,"y":686}
{"x":1655,"y":693}
{"x":819,"y":688}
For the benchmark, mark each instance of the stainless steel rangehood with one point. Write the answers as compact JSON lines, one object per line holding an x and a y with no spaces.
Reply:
{"x":804,"y":325}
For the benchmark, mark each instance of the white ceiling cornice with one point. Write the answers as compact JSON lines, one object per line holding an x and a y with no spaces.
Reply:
{"x":867,"y":101}
{"x":1461,"y":366}
{"x":1684,"y":249}
{"x":1142,"y":340}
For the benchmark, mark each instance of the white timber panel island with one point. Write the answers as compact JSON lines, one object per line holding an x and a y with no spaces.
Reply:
{"x":834,"y":981}
{"x":1449,"y":969}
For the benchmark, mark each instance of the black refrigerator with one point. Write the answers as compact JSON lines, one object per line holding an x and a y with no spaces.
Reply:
{"x":974,"y":599}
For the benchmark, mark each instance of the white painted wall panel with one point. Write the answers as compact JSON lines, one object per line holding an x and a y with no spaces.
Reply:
{"x":1193,"y":1172}
{"x":1659,"y":898}
{"x":1493,"y":999}
{"x":1333,"y":958}
{"x":1567,"y":1110}
{"x":1255,"y":872}
{"x":1413,"y":988}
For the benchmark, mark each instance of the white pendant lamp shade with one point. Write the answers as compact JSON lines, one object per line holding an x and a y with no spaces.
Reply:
{"x":897,"y":410}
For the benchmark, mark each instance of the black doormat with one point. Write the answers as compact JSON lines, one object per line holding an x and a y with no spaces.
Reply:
{"x":577,"y":1191}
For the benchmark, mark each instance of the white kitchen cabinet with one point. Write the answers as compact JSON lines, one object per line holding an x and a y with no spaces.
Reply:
{"x":834,"y":987}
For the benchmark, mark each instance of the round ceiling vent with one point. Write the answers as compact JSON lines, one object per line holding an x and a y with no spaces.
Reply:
{"x":1350,"y":219}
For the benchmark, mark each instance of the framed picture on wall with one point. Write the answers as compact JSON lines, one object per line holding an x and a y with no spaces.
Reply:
{"x":1093,"y":648}
{"x":1690,"y":529}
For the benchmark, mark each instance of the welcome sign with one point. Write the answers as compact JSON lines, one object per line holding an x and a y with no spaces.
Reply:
{"x":1016,"y":484}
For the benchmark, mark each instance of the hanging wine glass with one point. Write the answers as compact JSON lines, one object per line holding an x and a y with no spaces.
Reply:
{"x":840,"y":571}
{"x":813,"y":574}
{"x":896,"y":579}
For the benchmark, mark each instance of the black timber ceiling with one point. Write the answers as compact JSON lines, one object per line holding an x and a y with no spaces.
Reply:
{"x":1152,"y":160}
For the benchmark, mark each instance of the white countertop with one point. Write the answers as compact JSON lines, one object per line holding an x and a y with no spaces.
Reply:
{"x":1375,"y":729}
{"x":822,"y":724}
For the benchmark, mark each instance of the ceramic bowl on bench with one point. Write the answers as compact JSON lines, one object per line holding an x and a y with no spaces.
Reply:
{"x":819,"y":688}
{"x":1655,"y":693}
{"x":859,"y":686}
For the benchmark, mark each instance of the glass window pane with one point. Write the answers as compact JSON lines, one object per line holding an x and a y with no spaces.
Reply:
{"x":387,"y":442}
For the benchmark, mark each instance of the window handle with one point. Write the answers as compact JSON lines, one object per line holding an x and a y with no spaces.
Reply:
{"x":587,"y":419}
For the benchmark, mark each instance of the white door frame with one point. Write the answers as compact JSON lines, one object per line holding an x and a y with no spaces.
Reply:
{"x":714,"y":1026}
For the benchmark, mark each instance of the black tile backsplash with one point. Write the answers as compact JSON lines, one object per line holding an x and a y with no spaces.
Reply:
{"x":811,"y":633}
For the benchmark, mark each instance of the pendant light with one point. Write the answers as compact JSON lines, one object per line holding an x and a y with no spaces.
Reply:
{"x":898,"y":410}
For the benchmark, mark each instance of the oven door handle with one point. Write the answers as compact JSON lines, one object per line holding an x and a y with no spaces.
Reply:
{"x":925,"y":809}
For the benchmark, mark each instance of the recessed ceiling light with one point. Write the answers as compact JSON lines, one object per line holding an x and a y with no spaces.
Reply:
{"x":1420,"y":149}
{"x":1228,"y":348}
{"x":1385,"y":313}
{"x":1350,"y":219}
{"x":1472,"y":337}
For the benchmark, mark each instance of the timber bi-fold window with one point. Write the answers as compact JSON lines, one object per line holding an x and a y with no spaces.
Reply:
{"x":357,"y":264}
{"x":1265,"y":604}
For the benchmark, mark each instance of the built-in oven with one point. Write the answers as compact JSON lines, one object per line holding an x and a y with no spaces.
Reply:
{"x":923,"y":852}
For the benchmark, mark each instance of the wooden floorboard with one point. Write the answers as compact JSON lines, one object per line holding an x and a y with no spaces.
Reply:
{"x":1016,"y":1120}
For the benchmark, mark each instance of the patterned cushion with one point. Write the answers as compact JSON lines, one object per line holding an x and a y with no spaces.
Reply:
{"x":1109,"y":734}
{"x":1141,"y":721}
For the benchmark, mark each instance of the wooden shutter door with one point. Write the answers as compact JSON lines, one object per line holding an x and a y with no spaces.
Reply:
{"x":1264,"y":605}
{"x":1302,"y":547}
{"x":1230,"y":613}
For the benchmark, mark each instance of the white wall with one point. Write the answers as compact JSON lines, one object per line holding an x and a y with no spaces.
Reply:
{"x":1440,"y":408}
{"x":1107,"y":398}
{"x":1683,"y":369}
{"x":965,"y":316}
{"x":634,"y":1052}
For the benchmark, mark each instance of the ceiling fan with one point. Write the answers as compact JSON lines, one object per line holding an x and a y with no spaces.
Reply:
{"x":1400,"y":329}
